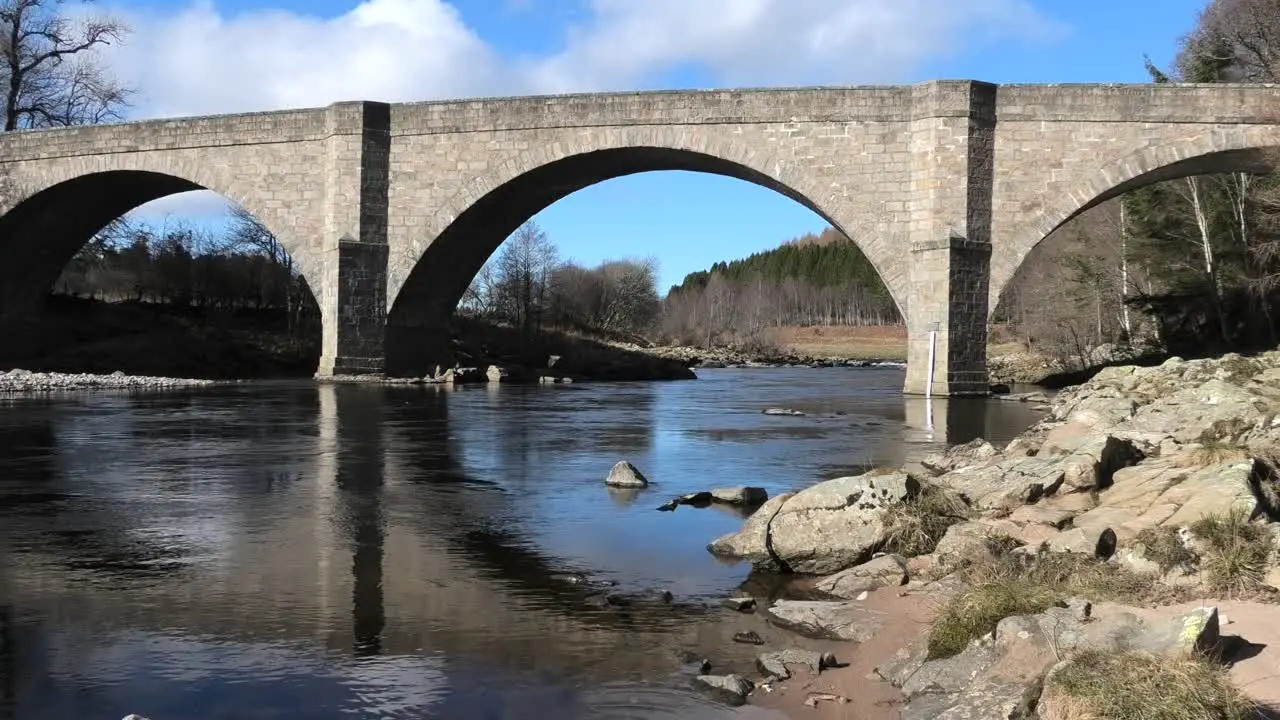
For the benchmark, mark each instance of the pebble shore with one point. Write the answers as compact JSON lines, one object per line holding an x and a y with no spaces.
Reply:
{"x":26,"y":381}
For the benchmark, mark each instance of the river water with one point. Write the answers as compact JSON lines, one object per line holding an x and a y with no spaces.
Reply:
{"x":288,"y":550}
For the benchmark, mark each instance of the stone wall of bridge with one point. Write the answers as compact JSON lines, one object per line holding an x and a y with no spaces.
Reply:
{"x":388,"y":210}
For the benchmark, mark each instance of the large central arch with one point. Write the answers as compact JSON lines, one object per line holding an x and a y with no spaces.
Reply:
{"x":489,"y":211}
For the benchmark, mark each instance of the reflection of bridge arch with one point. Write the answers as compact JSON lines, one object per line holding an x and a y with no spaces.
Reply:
{"x":353,"y":572}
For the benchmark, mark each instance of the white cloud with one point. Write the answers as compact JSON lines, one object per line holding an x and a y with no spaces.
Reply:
{"x":198,"y":59}
{"x":779,"y":42}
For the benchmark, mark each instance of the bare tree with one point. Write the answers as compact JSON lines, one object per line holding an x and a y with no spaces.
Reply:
{"x":1234,"y":40}
{"x":50,"y":61}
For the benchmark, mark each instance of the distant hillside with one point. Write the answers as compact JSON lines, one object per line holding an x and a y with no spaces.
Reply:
{"x":819,"y":279}
{"x":822,"y":261}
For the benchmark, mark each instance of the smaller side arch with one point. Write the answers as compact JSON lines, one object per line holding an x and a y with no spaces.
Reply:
{"x":1253,"y":149}
{"x":132,"y":180}
{"x":60,"y":207}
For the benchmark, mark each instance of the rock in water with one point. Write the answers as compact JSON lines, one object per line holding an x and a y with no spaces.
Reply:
{"x":751,"y":543}
{"x":625,"y":475}
{"x":750,"y":637}
{"x":732,"y":689}
{"x":788,"y":412}
{"x":740,"y":495}
{"x":741,"y":604}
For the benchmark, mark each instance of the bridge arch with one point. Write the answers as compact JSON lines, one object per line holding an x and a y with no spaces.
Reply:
{"x":51,"y":209}
{"x":1252,"y":149}
{"x":429,"y":277}
{"x":97,"y":189}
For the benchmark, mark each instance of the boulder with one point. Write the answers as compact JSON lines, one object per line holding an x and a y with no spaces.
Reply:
{"x":973,"y":453}
{"x":970,"y":539}
{"x":625,"y":475}
{"x":775,"y":663}
{"x":1094,"y":461}
{"x":884,"y":571}
{"x":730,"y":689}
{"x":836,"y":524}
{"x":1007,"y":484}
{"x":1216,"y":410}
{"x":751,"y":543}
{"x":742,"y":495}
{"x":828,"y":620}
{"x":496,"y":374}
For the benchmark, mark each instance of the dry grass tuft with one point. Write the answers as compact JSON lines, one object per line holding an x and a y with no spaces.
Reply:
{"x":1235,"y":553}
{"x":1165,"y":548}
{"x":1213,"y":452}
{"x":1132,"y":685}
{"x":915,"y":526}
{"x":1010,"y":584}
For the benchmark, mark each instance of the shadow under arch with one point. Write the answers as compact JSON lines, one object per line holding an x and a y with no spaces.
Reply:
{"x":1204,"y":155}
{"x":42,"y":232}
{"x":419,"y":313}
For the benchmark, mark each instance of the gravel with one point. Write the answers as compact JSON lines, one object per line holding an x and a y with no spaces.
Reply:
{"x":25,"y":381}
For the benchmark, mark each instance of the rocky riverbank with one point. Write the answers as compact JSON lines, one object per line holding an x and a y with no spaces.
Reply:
{"x":1123,"y":553}
{"x":25,"y":381}
{"x":726,"y":357}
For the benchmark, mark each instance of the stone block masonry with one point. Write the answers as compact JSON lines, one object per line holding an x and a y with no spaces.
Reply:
{"x":389,"y":210}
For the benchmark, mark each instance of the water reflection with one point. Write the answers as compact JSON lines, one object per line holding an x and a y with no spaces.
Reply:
{"x":293,"y":550}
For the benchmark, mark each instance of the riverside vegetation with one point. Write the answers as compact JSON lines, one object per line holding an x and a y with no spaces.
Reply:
{"x":1059,"y":570}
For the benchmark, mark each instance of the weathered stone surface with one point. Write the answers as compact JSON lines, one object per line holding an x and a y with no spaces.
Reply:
{"x":775,"y":663}
{"x":625,"y":475}
{"x":969,"y":539}
{"x":751,"y":543}
{"x":973,"y":453}
{"x":1006,"y":484}
{"x":1093,"y":461}
{"x":1215,"y":410}
{"x":827,"y":619}
{"x":884,"y":571}
{"x":836,"y":524}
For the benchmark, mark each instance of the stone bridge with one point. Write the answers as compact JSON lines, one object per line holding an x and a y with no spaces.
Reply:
{"x":389,"y":210}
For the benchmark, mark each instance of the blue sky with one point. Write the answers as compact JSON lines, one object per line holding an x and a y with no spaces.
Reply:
{"x":189,"y":57}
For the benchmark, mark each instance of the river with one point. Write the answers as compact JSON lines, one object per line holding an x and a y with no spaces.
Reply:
{"x":273,"y":550}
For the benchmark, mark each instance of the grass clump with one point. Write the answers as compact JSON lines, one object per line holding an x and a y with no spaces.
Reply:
{"x":1131,"y":685}
{"x":915,"y":525}
{"x":977,"y":611}
{"x":1008,"y":584}
{"x":1215,"y":451}
{"x":1234,"y":553}
{"x":1165,"y":548}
